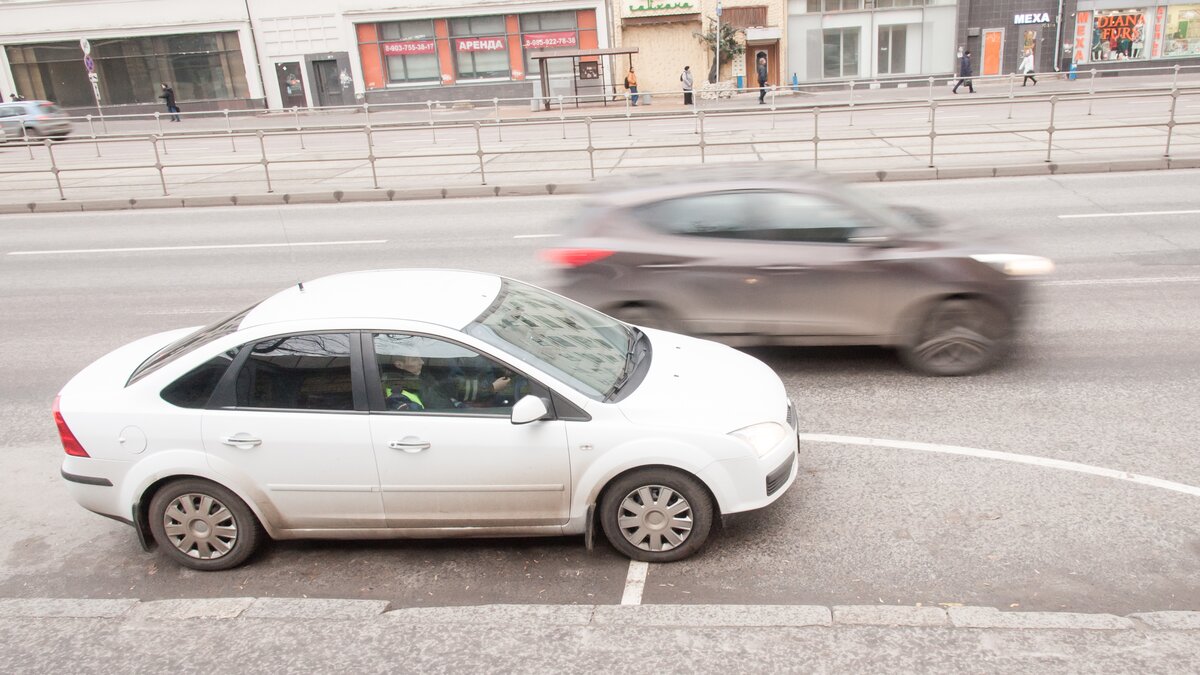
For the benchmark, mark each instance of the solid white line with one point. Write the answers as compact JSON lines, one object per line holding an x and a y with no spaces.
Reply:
{"x":1043,"y":462}
{"x":1131,"y":213}
{"x":198,"y":248}
{"x":1132,"y":280}
{"x":635,"y":582}
{"x":533,"y":236}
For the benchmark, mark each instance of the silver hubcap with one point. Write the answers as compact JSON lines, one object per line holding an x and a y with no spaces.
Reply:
{"x":655,"y":518}
{"x":200,"y":526}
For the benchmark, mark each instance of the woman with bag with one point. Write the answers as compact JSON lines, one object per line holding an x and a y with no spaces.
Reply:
{"x":1026,"y":68}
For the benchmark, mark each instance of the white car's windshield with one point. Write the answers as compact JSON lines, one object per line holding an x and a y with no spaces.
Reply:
{"x":578,"y":345}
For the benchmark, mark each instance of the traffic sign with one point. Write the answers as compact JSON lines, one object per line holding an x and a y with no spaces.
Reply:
{"x":89,"y":64}
{"x":85,"y":46}
{"x":94,"y":77}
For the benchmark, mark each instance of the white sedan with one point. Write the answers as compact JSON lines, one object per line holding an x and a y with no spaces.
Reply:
{"x":423,"y":403}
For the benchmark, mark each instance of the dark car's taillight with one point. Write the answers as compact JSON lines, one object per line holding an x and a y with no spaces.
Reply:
{"x":575,"y":257}
{"x":70,"y":444}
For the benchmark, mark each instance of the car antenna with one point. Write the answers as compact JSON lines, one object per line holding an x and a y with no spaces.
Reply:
{"x":291,"y":252}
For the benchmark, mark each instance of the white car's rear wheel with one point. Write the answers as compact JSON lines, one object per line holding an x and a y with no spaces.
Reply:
{"x":203,"y":525}
{"x":656,"y":515}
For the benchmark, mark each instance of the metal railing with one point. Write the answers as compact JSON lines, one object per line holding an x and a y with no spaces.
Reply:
{"x":581,"y":136}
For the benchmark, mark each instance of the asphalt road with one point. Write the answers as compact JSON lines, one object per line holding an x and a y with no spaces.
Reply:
{"x":1105,"y":376}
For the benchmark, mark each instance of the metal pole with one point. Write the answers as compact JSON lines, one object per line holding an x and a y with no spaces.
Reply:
{"x":1171,"y":120}
{"x":932,"y":129}
{"x":159,"y":165}
{"x":158,"y":118}
{"x":496,"y":105}
{"x":262,"y":145}
{"x":432,"y":128}
{"x":54,"y":168}
{"x":591,"y":149}
{"x":1175,"y":78}
{"x":229,"y":130}
{"x":562,"y":116}
{"x":479,"y":153}
{"x":28,"y":143}
{"x":773,"y":116}
{"x":816,"y":135}
{"x":367,"y":111}
{"x":628,"y":118}
{"x":92,"y":130}
{"x":371,"y":157}
{"x":299,"y":129}
{"x":1050,"y":129}
{"x":1092,"y":91}
{"x":931,"y":95}
{"x":1012,"y":82}
{"x":852,"y":102}
{"x":701,"y":116}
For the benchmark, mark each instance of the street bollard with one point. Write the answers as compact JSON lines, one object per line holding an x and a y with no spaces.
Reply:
{"x":1050,"y":129}
{"x":590,"y":148}
{"x":262,"y":145}
{"x":54,"y":168}
{"x":162,"y":179}
{"x":92,"y":130}
{"x":479,"y":154}
{"x":932,"y":129}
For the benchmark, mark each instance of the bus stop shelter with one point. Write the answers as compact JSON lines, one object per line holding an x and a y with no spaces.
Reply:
{"x":586,"y":65}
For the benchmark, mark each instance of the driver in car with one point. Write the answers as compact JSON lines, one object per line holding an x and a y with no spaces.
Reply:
{"x":411,"y":387}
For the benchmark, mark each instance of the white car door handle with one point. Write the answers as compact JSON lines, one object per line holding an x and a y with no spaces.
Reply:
{"x":413,"y":446}
{"x":243,"y":442}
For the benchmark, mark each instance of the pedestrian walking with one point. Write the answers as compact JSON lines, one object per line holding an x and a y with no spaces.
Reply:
{"x":762,"y":79}
{"x":964,"y":73}
{"x":168,"y":96}
{"x":1026,"y":68}
{"x":631,"y":86}
{"x":14,"y":97}
{"x":686,"y":79}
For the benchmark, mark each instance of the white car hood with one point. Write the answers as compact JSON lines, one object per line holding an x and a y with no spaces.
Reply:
{"x":704,"y":385}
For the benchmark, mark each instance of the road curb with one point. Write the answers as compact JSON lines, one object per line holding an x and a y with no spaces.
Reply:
{"x":695,"y":616}
{"x":536,"y":189}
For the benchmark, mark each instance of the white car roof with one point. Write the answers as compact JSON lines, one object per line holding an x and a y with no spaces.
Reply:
{"x":451,"y":298}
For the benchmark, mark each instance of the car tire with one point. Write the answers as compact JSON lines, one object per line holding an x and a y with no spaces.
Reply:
{"x":647,"y":315}
{"x":202,"y":525}
{"x":674,"y":527}
{"x":959,"y":337}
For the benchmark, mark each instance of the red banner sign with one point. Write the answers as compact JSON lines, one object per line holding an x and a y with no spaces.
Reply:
{"x":1082,"y":21}
{"x":483,"y":44}
{"x":408,"y":48}
{"x":564,"y":38}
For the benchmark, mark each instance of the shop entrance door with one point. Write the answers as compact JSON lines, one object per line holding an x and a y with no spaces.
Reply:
{"x":993,"y":50}
{"x":752,"y":53}
{"x":291,"y":85}
{"x":328,"y":86}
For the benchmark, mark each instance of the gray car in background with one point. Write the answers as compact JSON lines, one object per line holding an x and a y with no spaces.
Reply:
{"x":36,"y":119}
{"x":768,"y":256}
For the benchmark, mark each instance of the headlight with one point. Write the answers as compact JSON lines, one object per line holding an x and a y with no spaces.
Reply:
{"x":1017,"y":265}
{"x":762,"y":438}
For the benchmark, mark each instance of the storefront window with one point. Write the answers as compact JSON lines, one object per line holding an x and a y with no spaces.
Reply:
{"x":892,"y":49}
{"x":1183,"y":31}
{"x":480,"y":47}
{"x":409,"y":50}
{"x":1119,"y":34}
{"x":841,"y":52}
{"x":200,"y":66}
{"x":547,"y":31}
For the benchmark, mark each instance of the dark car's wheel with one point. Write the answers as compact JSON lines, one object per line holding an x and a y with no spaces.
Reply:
{"x":959,"y":337}
{"x":656,"y":515}
{"x":648,"y":315}
{"x":203,"y":525}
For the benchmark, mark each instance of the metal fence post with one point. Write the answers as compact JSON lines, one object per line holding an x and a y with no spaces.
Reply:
{"x":700,"y":115}
{"x":816,"y":135}
{"x":562,"y":116}
{"x":772,"y":108}
{"x":371,"y":156}
{"x":159,"y":165}
{"x":432,"y":128}
{"x":628,"y":116}
{"x":229,"y":130}
{"x":1171,"y":120}
{"x":158,"y":119}
{"x":367,"y":111}
{"x":496,"y":105}
{"x":931,"y":78}
{"x":591,"y":148}
{"x":932,"y":129}
{"x":1092,"y":91}
{"x":262,"y":145}
{"x":54,"y":168}
{"x":1050,"y":129}
{"x":92,"y":130}
{"x":299,"y":129}
{"x":1175,"y":77}
{"x":479,"y":153}
{"x":851,"y":103}
{"x":1012,"y":82}
{"x":28,"y":143}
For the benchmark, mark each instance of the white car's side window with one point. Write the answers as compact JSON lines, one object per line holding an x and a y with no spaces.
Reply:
{"x":424,"y":374}
{"x":298,"y":372}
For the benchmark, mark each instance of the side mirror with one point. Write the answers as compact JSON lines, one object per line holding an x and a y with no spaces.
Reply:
{"x":529,"y":409}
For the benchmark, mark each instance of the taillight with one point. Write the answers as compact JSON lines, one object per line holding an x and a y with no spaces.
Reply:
{"x":70,"y":444}
{"x":575,"y":257}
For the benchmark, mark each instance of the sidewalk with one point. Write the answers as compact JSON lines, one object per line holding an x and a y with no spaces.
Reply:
{"x":325,"y":635}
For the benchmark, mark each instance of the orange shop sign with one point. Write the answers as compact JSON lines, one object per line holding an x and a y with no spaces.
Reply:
{"x":1120,"y":26}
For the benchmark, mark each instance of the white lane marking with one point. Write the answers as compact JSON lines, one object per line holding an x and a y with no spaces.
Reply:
{"x":1131,"y":213}
{"x":200,"y":248}
{"x":635,"y":582}
{"x":533,"y":236}
{"x":1043,"y":462}
{"x":1132,"y":280}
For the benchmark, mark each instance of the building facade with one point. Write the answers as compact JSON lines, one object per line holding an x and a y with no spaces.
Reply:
{"x":838,"y":40}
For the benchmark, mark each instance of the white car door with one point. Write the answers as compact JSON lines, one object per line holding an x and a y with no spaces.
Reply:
{"x":447,"y":452}
{"x":294,"y":430}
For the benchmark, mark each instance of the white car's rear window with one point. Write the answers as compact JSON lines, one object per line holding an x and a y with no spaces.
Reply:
{"x":192,"y":342}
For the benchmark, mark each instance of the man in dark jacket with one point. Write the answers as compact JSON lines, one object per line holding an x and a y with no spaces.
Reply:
{"x":168,"y":95}
{"x":964,"y":73}
{"x":762,"y":79}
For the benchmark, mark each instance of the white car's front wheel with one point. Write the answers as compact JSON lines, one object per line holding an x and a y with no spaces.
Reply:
{"x":656,"y":515}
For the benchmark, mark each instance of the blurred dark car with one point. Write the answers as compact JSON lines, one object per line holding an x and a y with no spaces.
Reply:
{"x":763,"y":257}
{"x":39,"y":118}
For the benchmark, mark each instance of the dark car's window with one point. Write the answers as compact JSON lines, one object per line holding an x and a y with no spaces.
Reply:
{"x":298,"y":372}
{"x":194,"y":389}
{"x":720,"y":214}
{"x":9,"y":111}
{"x":189,"y":343}
{"x":803,"y":217}
{"x":758,"y":215}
